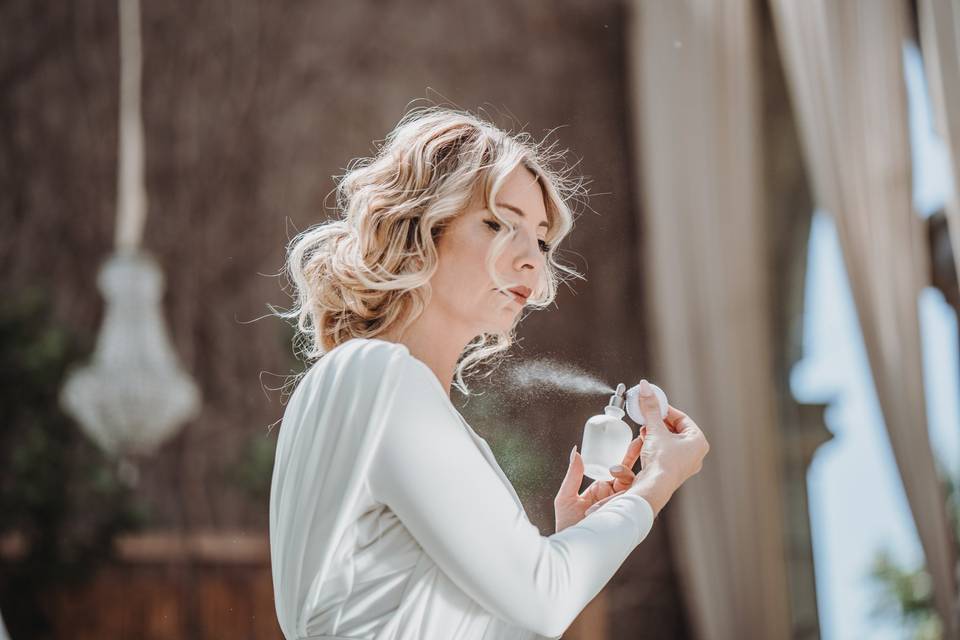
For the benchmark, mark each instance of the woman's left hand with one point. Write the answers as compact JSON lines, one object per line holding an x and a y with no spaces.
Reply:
{"x":570,"y":507}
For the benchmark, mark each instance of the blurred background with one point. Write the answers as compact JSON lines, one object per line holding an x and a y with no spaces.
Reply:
{"x":771,"y":235}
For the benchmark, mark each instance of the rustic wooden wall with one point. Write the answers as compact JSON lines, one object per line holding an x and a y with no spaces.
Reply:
{"x":250,"y":108}
{"x":167,"y":602}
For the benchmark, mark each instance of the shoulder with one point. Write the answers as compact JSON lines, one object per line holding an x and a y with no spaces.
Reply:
{"x":358,"y":360}
{"x":347,"y":381}
{"x":373,"y":367}
{"x":361,"y":356}
{"x":362,"y":352}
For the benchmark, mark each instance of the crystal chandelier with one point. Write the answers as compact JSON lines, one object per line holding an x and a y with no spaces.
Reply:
{"x":133,"y":395}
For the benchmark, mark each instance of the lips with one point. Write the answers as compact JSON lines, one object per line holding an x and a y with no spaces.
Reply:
{"x":523,"y":292}
{"x":517,"y":294}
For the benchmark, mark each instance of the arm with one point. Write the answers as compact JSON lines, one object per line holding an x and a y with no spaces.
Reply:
{"x":428,"y":470}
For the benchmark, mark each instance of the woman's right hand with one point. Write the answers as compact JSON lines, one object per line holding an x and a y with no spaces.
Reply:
{"x":673,"y":450}
{"x":675,"y":443}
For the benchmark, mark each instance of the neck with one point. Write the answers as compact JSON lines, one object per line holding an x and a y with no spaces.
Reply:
{"x":436,"y":342}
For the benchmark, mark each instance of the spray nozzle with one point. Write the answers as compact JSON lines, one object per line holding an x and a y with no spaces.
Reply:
{"x":617,"y":400}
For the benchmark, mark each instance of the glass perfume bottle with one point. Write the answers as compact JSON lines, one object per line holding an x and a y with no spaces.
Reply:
{"x":606,"y":438}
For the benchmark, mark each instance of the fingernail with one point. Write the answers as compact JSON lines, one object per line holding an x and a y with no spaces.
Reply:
{"x":645,"y":388}
{"x":617,"y":469}
{"x":573,"y":451}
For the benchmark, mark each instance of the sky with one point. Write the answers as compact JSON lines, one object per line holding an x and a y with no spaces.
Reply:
{"x":856,"y":498}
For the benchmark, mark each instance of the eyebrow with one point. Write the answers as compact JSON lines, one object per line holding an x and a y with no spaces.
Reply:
{"x":520,"y":213}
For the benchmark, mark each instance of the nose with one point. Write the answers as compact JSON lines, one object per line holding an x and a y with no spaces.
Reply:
{"x":528,"y":255}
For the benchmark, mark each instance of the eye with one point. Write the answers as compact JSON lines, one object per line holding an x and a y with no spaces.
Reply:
{"x":496,"y":226}
{"x":493,"y":224}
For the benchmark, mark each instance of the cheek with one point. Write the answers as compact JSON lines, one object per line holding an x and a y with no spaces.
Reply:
{"x":462,"y":277}
{"x":462,"y":284}
{"x":471,"y":257}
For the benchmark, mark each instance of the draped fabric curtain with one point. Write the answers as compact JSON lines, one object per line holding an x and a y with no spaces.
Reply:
{"x":843,"y":62}
{"x":940,"y":41}
{"x":692,"y":68}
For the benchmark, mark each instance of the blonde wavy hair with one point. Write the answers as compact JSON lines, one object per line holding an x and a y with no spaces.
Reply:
{"x":368,"y":272}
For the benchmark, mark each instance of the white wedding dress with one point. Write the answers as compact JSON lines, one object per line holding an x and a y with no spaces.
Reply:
{"x":390,"y":518}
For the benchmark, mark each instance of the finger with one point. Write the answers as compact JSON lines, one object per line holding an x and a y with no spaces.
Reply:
{"x":622,"y":479}
{"x":597,"y":490}
{"x":599,"y":504}
{"x":620,"y":471}
{"x":601,"y":489}
{"x":574,"y":477}
{"x":679,"y":422}
{"x":674,"y":416}
{"x":591,"y":491}
{"x":650,"y":407}
{"x":633,"y":450}
{"x":604,"y":489}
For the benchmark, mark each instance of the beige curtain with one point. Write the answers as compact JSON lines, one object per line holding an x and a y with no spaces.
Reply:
{"x":940,"y":40}
{"x":693,"y":76}
{"x":844,"y":65}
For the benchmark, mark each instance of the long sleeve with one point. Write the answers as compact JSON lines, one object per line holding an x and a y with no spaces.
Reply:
{"x":429,"y":471}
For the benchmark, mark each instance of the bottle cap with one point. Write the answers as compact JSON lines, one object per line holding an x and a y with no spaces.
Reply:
{"x":633,"y":402}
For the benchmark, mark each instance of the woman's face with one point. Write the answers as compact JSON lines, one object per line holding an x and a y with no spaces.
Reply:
{"x":463,"y":290}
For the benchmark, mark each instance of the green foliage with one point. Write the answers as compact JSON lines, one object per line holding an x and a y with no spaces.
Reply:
{"x":56,"y":488}
{"x":523,"y":462}
{"x":252,"y":472}
{"x":252,"y":469}
{"x":907,"y":594}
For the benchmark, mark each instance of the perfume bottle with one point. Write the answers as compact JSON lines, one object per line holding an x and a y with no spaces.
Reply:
{"x":606,"y":438}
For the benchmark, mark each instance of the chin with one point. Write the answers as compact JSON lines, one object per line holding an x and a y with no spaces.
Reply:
{"x":511,"y":318}
{"x":501,"y":325}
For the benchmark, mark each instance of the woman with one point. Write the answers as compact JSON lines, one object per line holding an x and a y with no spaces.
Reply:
{"x":389,"y":516}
